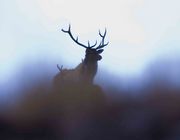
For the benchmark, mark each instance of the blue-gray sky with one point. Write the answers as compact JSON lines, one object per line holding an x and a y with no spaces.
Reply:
{"x":139,"y":31}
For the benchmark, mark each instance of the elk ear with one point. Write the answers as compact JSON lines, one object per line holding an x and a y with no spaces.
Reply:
{"x":100,"y":51}
{"x":99,"y":57}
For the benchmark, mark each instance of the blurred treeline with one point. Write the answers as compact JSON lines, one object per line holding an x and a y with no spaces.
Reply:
{"x":81,"y":111}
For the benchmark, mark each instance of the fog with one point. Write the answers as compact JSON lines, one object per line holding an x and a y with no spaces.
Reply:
{"x":145,"y":107}
{"x":136,"y":90}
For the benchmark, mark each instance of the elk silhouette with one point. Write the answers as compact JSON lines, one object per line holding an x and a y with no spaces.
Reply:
{"x":85,"y":72}
{"x":74,"y":91}
{"x":78,"y":101}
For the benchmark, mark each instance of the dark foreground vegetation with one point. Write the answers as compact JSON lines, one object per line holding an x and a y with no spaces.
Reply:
{"x":74,"y":108}
{"x":86,"y":112}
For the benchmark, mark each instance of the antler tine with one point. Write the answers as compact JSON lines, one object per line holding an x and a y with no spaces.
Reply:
{"x":88,"y":44}
{"x":68,"y":31}
{"x":101,"y":45}
{"x":76,"y":40}
{"x":92,"y":45}
{"x":70,"y":34}
{"x":103,"y":36}
{"x":60,"y":68}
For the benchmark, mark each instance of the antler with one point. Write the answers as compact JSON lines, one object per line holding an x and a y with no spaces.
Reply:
{"x":76,"y":40}
{"x":60,"y":68}
{"x":101,"y":45}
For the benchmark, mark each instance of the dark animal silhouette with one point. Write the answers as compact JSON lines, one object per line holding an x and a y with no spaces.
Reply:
{"x":74,"y":90}
{"x":85,"y":72}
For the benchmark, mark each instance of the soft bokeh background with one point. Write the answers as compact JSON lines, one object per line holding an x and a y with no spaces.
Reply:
{"x":142,"y":58}
{"x":139,"y":32}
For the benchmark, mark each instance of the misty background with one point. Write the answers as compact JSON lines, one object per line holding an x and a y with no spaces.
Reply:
{"x":139,"y":70}
{"x":143,"y":35}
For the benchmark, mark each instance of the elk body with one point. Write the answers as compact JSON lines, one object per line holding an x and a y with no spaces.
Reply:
{"x":85,"y":72}
{"x":73,"y":104}
{"x":75,"y":93}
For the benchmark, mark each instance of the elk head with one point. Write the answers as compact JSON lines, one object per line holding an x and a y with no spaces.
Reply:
{"x":92,"y":51}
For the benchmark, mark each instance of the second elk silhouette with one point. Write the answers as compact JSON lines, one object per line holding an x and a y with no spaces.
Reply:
{"x":85,"y":72}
